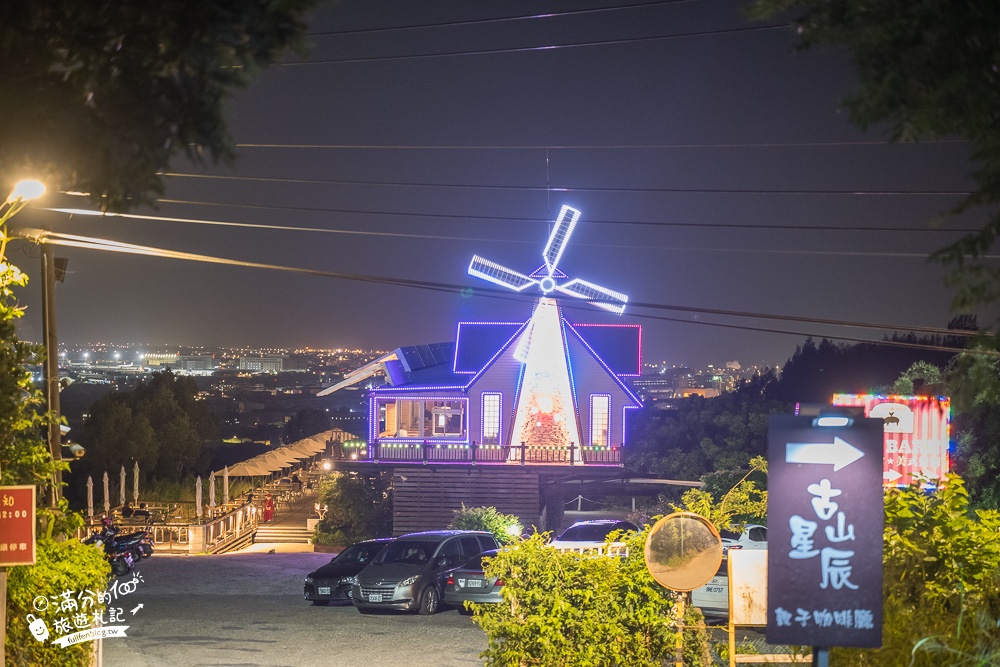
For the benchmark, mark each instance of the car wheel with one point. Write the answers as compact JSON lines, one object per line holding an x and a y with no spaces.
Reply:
{"x":321,"y":603}
{"x":429,"y":601}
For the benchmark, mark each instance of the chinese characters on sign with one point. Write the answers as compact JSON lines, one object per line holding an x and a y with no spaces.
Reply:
{"x":81,"y":616}
{"x":17,"y":525}
{"x":825,"y":521}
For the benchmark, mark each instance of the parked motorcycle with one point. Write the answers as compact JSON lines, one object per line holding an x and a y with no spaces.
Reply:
{"x":140,"y":542}
{"x":120,"y":556}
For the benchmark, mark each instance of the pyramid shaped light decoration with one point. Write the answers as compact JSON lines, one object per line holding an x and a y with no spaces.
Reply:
{"x":546,"y":414}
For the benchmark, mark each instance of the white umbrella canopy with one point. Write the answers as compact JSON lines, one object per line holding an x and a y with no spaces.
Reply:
{"x":225,"y":485}
{"x":197,"y":496}
{"x":121,"y":487}
{"x":274,"y":462}
{"x":90,"y":496}
{"x":211,"y":491}
{"x":293,"y":454}
{"x":249,"y":468}
{"x":135,"y":482}
{"x":107,"y":495}
{"x":303,"y":447}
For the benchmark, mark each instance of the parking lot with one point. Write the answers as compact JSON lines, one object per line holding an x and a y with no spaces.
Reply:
{"x":247,"y":609}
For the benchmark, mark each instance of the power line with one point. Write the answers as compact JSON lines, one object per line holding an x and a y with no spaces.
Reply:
{"x":479,"y":147}
{"x":507,"y":218}
{"x":71,"y":240}
{"x":472,"y":239}
{"x":528,"y":49}
{"x":499,"y":19}
{"x":536,"y":188}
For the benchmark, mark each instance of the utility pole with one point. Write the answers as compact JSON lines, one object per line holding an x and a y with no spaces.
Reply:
{"x":51,"y":362}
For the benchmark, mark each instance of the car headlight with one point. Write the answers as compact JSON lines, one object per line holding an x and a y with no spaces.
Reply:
{"x":409,"y":581}
{"x":350,"y":580}
{"x":309,"y":580}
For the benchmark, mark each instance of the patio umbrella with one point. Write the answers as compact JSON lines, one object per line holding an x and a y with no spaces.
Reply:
{"x":135,"y":482}
{"x":107,"y":495}
{"x":90,"y":496}
{"x":197,"y":496}
{"x":225,"y":485}
{"x":121,"y":486}
{"x":211,"y":491}
{"x":250,"y":468}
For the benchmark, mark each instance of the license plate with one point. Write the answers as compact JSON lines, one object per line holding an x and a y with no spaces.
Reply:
{"x":474,"y":583}
{"x":375,"y":597}
{"x":323,"y":590}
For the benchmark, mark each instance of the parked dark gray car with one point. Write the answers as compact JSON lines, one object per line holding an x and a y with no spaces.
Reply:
{"x":409,"y":572}
{"x":332,"y":582}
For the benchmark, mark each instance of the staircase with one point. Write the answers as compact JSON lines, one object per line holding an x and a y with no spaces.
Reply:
{"x":282,"y":534}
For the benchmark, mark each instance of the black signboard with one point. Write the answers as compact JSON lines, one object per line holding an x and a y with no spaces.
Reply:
{"x":825,"y":517}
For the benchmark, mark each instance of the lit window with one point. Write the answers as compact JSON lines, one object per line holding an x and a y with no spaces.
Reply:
{"x":491,"y":419}
{"x":600,"y":420}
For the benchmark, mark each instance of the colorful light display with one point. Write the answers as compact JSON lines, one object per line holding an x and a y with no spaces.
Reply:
{"x":917,"y":430}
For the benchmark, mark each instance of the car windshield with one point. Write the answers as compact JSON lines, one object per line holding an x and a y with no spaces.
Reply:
{"x":729,"y":535}
{"x":592,"y":532}
{"x":412,"y":552}
{"x":358,"y":553}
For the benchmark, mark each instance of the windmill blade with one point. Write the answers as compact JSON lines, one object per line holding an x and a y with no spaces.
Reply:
{"x":499,"y":275}
{"x":598,"y":296}
{"x":560,"y":235}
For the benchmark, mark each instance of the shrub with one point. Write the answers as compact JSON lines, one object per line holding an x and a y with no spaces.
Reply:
{"x":60,"y":566}
{"x":576,"y":610}
{"x":941,"y":582}
{"x":506,"y":528}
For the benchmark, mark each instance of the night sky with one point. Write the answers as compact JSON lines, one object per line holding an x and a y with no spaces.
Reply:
{"x":715,"y":133}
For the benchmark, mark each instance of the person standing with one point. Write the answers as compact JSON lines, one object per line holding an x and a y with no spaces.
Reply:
{"x":268,"y":508}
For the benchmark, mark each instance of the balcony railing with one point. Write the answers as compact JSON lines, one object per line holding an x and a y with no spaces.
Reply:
{"x":474,"y":454}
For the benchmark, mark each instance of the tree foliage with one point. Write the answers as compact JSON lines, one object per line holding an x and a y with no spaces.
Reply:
{"x":703,"y":435}
{"x":927,"y":70}
{"x":160,"y":425}
{"x":61,"y":566}
{"x":100,"y":95}
{"x":358,"y":507}
{"x":506,"y":528}
{"x":307,"y":423}
{"x":941,"y":581}
{"x":580,"y":610}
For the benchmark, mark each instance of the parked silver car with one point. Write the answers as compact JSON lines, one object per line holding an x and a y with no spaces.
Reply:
{"x":409,"y":572}
{"x":470,"y":583}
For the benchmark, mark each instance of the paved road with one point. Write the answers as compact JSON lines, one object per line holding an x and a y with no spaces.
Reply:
{"x":246,"y":610}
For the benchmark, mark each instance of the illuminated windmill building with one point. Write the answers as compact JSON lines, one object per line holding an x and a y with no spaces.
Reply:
{"x":542,"y":392}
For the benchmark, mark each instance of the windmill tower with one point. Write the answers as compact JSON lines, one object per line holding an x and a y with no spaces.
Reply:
{"x":546,"y":410}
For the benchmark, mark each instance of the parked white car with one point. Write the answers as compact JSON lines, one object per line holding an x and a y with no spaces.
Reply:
{"x":592,"y":536}
{"x":754,"y":536}
{"x":713,"y":597}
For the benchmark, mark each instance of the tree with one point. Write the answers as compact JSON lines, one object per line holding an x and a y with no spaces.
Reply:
{"x":100,"y":96}
{"x":704,"y":435}
{"x":160,"y":424}
{"x":930,"y":70}
{"x":973,"y":382}
{"x":359,"y":507}
{"x":307,"y":423}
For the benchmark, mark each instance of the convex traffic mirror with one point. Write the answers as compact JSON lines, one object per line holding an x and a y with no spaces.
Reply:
{"x":683,"y":551}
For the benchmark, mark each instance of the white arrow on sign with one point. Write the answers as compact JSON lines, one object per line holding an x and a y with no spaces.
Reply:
{"x":839,"y":453}
{"x":891,"y":475}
